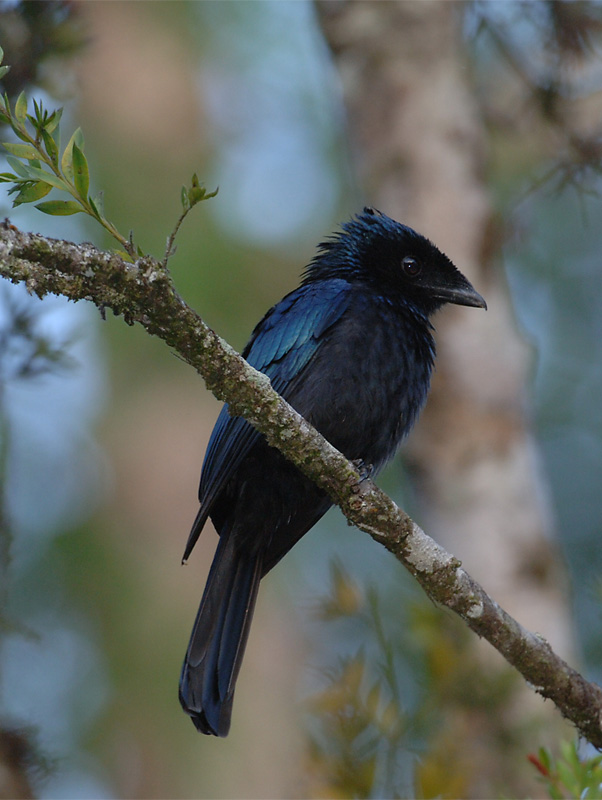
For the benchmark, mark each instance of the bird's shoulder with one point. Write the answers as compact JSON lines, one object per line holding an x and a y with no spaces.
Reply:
{"x":290,"y":332}
{"x":281,"y":345}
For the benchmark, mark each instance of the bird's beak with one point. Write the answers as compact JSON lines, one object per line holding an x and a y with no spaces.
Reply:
{"x":462,"y":296}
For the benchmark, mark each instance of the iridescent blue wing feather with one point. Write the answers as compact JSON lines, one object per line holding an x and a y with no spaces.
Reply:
{"x":281,"y":346}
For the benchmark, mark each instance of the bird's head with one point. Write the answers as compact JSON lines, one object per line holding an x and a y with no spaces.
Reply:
{"x":397,"y":261}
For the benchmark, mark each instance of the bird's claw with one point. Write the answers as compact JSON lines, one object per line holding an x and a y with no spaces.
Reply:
{"x":365,"y":471}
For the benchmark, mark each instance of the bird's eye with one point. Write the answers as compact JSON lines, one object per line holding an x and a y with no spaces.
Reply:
{"x":411,"y":267}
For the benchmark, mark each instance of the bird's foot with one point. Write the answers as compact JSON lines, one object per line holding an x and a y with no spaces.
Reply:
{"x":365,"y":470}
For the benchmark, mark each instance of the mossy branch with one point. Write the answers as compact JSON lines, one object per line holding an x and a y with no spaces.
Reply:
{"x":143,"y":292}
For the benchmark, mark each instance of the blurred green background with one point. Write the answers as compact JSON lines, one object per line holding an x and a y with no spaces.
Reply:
{"x":101,"y":457}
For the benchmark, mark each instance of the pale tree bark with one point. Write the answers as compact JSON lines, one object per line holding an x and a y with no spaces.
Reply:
{"x":421,"y":148}
{"x":16,"y":757}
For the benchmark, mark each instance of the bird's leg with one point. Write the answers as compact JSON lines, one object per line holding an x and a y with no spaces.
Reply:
{"x":365,"y":471}
{"x":359,"y":486}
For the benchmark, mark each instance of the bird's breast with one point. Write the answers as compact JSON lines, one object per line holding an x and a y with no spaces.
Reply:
{"x":367,"y":382}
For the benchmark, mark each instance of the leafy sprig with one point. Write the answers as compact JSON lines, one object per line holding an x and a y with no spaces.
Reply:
{"x":190,"y":196}
{"x":569,"y":776}
{"x":39,"y":167}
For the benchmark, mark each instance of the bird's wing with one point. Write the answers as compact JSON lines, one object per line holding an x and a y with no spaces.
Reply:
{"x":281,"y":346}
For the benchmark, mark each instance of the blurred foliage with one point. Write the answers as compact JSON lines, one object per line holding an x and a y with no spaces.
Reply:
{"x":376,"y":731}
{"x":569,"y":775}
{"x":38,"y":38}
{"x":25,"y":350}
{"x":567,"y":34}
{"x":363,"y":727}
{"x":26,"y":353}
{"x":473,"y":695}
{"x":539,"y":90}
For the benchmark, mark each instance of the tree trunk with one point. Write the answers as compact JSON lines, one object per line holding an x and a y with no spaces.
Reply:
{"x":421,"y":149}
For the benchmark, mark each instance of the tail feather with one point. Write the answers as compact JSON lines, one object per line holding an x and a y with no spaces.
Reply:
{"x":219,"y":637}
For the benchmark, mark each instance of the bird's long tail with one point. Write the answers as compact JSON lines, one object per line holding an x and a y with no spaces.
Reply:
{"x":219,"y":636}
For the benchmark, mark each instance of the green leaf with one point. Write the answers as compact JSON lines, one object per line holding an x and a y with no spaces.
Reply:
{"x":67,"y":159}
{"x":37,"y":109}
{"x":1,"y":55}
{"x":21,"y":150}
{"x":51,"y":147}
{"x":21,"y":107}
{"x":565,"y":774}
{"x":98,"y":203}
{"x":81,"y":173}
{"x":545,"y":758}
{"x":32,"y":192}
{"x":184,"y":198}
{"x":197,"y":192}
{"x":60,"y":208}
{"x":7,"y":177}
{"x":18,"y":167}
{"x":3,"y":71}
{"x":125,"y":256}
{"x":22,"y":134}
{"x":37,"y":174}
{"x":53,"y":120}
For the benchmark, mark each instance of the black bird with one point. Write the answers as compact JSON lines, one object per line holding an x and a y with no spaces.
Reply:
{"x":352,"y":351}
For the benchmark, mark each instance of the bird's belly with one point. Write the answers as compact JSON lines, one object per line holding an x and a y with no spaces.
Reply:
{"x":362,"y":421}
{"x":268,"y":505}
{"x":364,"y":400}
